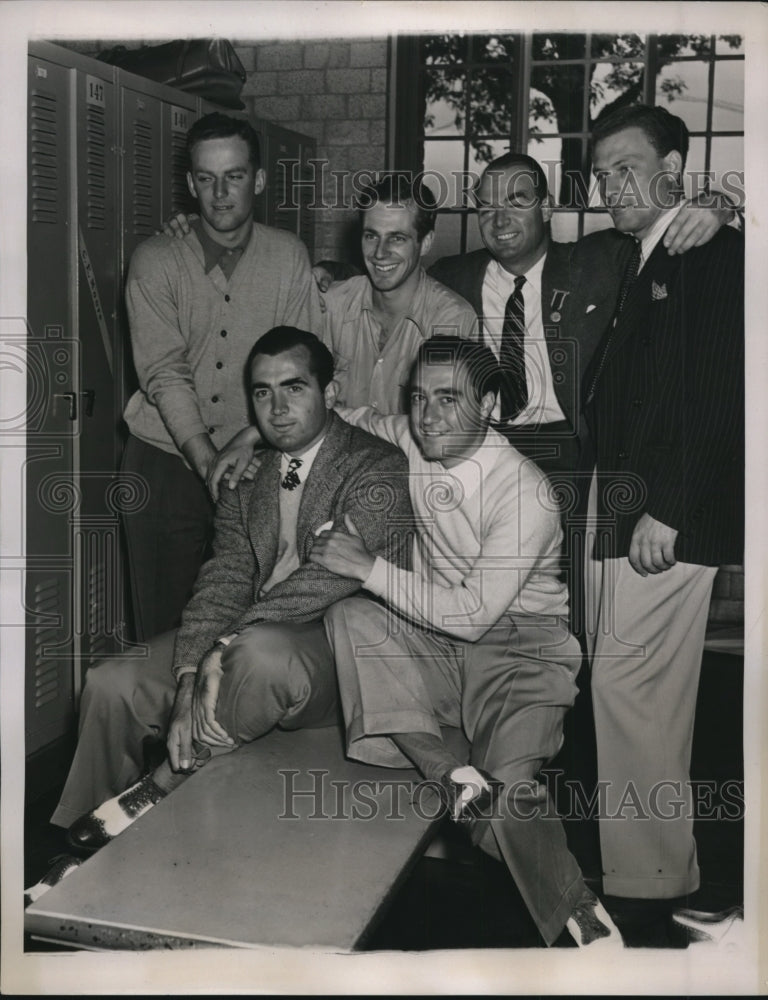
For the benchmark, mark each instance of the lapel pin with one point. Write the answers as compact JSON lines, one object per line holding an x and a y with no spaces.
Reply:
{"x":558,"y":301}
{"x":658,"y":291}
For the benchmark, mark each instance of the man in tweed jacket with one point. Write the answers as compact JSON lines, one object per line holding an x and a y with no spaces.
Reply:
{"x":251,"y":651}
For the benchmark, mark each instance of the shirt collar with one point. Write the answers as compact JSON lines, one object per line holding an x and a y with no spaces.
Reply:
{"x":416,"y":309}
{"x":475,"y":470}
{"x":213,"y":251}
{"x":307,"y":460}
{"x":651,"y":239}
{"x":506,"y":280}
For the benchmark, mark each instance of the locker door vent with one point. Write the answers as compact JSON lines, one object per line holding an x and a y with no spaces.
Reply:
{"x":47,"y":601}
{"x":179,"y":190}
{"x":95,"y":130}
{"x":44,"y":131}
{"x":143,"y":180}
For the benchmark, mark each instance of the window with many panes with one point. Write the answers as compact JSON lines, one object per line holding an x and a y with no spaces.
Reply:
{"x":463,"y":99}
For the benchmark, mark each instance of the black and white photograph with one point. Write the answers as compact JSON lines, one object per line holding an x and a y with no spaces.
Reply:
{"x":382,"y":422}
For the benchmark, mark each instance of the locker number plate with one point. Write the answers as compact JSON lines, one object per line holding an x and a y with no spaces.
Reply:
{"x":94,"y":90}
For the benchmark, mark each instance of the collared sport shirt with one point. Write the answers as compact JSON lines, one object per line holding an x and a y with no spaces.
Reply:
{"x":370,"y":375}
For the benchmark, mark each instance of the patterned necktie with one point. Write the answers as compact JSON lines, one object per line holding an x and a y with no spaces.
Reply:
{"x":630,"y":273}
{"x":291,"y":479}
{"x":514,"y":386}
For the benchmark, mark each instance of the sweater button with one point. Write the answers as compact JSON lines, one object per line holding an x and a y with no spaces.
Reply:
{"x":226,"y":298}
{"x":214,"y":399}
{"x":219,"y":364}
{"x":223,"y":333}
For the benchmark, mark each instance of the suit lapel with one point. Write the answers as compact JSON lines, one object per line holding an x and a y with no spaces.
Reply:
{"x":264,"y":514}
{"x":322,"y":484}
{"x":659,"y":271}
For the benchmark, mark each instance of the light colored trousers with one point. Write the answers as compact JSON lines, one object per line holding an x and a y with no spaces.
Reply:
{"x":647,"y":642}
{"x":273,"y":674}
{"x":510,"y":691}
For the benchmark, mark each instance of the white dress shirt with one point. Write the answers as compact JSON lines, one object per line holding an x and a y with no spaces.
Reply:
{"x":498,"y":285}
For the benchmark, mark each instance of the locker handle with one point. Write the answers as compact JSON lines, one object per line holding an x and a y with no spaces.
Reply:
{"x":90,"y":397}
{"x":71,"y":398}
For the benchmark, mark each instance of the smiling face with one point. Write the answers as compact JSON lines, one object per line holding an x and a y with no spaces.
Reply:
{"x":391,"y":246}
{"x":292,"y":411}
{"x":448,"y":421}
{"x":636,"y":183}
{"x":512,"y":219}
{"x":225,"y":183}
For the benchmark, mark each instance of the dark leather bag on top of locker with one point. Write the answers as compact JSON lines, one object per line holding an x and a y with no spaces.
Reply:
{"x":207,"y":67}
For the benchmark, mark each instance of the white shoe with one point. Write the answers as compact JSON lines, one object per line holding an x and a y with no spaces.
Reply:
{"x":590,"y":925}
{"x":62,"y":866}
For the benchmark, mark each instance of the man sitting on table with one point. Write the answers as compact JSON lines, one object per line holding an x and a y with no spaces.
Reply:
{"x":251,"y":652}
{"x":490,"y":649}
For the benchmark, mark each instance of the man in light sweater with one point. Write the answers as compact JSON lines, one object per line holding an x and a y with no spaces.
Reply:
{"x":475,"y":635}
{"x":195,"y":306}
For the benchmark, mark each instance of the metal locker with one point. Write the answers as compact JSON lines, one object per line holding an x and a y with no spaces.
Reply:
{"x":107,"y":163}
{"x":177,"y":119}
{"x":98,"y":595}
{"x":52,"y":422}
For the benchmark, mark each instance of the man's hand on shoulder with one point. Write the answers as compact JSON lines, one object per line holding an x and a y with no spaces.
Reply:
{"x":696,"y":223}
{"x":652,"y":549}
{"x":239,"y":459}
{"x":178,"y":225}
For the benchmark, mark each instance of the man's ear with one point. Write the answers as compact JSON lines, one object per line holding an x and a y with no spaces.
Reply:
{"x":330,"y":393}
{"x":426,"y":243}
{"x":191,"y":185}
{"x":259,"y":181}
{"x":673,"y":162}
{"x":487,"y":404}
{"x":546,"y":208}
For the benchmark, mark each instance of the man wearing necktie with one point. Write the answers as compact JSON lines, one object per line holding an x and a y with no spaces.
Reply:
{"x":251,"y":651}
{"x":544,"y":306}
{"x":664,"y":404}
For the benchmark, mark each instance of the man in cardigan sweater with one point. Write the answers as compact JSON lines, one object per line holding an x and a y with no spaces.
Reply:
{"x":251,"y":652}
{"x":195,"y":307}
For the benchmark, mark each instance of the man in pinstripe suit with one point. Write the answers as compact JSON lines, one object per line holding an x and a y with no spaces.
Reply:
{"x":664,"y":403}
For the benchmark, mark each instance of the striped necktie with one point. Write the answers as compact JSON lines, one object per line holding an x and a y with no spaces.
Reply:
{"x":514,"y":385}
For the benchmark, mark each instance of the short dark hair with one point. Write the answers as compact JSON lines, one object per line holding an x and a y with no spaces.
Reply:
{"x":220,"y":126}
{"x":401,"y":188}
{"x":478,"y":360}
{"x":537,"y":174}
{"x":283,"y":338}
{"x":663,"y":130}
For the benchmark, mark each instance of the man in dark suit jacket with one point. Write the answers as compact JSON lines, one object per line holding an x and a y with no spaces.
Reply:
{"x":665,"y":403}
{"x":251,"y":651}
{"x":569,"y":295}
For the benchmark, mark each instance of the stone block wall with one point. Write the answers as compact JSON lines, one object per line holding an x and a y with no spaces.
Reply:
{"x":334,"y":90}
